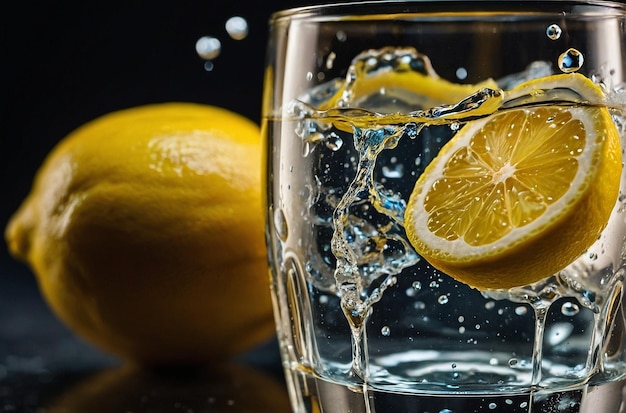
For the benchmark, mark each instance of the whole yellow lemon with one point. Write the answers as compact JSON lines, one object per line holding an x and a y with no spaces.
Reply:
{"x":144,"y":228}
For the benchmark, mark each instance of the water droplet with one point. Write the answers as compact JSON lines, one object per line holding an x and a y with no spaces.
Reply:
{"x":508,"y":401}
{"x":333,"y":142}
{"x":570,"y":309}
{"x":513,"y":362}
{"x":554,"y":32}
{"x":521,"y":310}
{"x":208,"y":47}
{"x":492,"y":406}
{"x":385,"y":331}
{"x":280,"y":224}
{"x":490,"y":305}
{"x":416,"y":285}
{"x":461,"y":73}
{"x":571,"y":61}
{"x":461,"y":330}
{"x":523,"y":405}
{"x":237,"y":27}
{"x":443,"y":299}
{"x":461,"y":319}
{"x":434,"y":284}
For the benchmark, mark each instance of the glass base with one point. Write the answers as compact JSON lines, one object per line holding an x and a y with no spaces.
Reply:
{"x":311,"y":394}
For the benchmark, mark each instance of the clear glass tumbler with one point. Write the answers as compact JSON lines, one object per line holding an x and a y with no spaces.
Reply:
{"x":446,"y":224}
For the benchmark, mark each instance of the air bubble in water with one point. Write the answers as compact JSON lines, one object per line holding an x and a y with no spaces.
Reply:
{"x":558,"y":333}
{"x":237,"y":27}
{"x":395,"y":171}
{"x":492,"y":406}
{"x":521,"y":310}
{"x":569,"y":309}
{"x":208,"y":47}
{"x":443,"y":299}
{"x":416,"y":285}
{"x":330,"y":60}
{"x":333,"y":142}
{"x":385,"y":331}
{"x":513,"y":362}
{"x":554,"y":32}
{"x":280,"y":224}
{"x":461,"y":73}
{"x":571,"y":61}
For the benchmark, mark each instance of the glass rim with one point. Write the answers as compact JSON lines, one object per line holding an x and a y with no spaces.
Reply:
{"x":377,"y":7}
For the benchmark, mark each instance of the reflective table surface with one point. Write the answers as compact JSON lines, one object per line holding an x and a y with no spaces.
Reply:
{"x":45,"y":368}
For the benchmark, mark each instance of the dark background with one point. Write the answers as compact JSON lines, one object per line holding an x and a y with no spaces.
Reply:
{"x":67,"y":62}
{"x":64,"y":63}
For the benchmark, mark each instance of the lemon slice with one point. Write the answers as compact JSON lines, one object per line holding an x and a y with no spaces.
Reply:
{"x":515,"y":197}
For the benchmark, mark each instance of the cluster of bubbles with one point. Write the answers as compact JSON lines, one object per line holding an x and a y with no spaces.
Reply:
{"x":209,"y":47}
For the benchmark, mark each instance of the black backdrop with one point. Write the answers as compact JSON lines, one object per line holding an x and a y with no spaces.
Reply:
{"x":67,"y":62}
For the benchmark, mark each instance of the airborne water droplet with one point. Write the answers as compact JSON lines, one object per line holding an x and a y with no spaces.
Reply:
{"x":571,"y":61}
{"x":208,"y":47}
{"x":554,"y":32}
{"x":237,"y":27}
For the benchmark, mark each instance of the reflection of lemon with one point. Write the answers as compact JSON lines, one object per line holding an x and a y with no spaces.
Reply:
{"x":145,"y":230}
{"x":517,"y":196}
{"x":228,"y":388}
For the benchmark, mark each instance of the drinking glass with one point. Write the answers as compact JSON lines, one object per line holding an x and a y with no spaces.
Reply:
{"x":359,"y":100}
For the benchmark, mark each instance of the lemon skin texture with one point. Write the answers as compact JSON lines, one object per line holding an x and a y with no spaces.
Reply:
{"x":145,"y":231}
